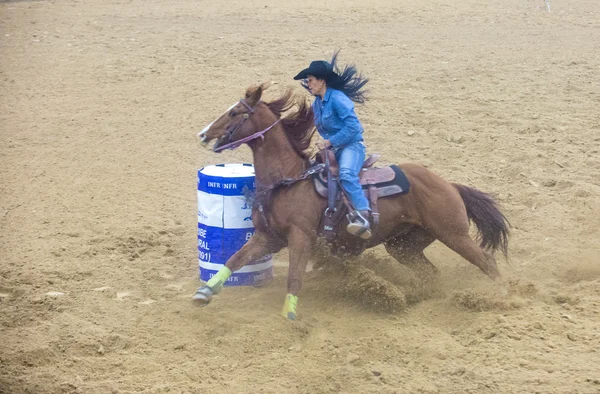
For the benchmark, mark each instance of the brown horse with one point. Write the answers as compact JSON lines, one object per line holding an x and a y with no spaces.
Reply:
{"x":289,"y":213}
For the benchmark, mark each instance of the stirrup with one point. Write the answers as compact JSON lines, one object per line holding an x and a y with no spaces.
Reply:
{"x":358,"y":225}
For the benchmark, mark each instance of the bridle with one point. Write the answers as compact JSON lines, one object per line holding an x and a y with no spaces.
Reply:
{"x":231,"y":132}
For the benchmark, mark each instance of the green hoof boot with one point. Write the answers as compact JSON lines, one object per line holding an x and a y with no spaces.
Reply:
{"x":289,"y":307}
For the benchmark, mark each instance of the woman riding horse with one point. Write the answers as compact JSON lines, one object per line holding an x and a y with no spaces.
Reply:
{"x":287,"y":209}
{"x":338,"y":124}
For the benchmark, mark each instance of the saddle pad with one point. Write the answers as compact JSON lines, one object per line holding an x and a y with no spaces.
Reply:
{"x":400,"y":180}
{"x":398,"y":184}
{"x":373,"y":176}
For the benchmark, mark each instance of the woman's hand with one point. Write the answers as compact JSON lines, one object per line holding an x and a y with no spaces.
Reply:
{"x":325,"y":144}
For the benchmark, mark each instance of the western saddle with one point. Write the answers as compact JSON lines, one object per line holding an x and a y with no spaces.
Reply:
{"x":376,"y":182}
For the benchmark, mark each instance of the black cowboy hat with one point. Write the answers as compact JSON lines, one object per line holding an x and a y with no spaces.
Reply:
{"x":319,"y":68}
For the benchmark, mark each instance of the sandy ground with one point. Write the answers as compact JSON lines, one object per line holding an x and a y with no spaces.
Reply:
{"x":99,"y":105}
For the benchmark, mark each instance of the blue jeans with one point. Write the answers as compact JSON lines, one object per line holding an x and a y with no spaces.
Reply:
{"x":351,"y":158}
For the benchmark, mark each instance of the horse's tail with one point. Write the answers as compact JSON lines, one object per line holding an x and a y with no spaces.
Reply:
{"x":493,"y":227}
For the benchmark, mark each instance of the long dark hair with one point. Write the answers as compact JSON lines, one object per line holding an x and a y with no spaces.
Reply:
{"x":347,"y":80}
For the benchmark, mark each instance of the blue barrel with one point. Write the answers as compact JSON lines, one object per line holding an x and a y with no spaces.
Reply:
{"x":225,"y":222}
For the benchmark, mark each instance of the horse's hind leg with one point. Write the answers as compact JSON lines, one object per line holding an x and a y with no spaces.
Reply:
{"x":408,"y":250}
{"x":450,"y":226}
{"x":464,"y":245}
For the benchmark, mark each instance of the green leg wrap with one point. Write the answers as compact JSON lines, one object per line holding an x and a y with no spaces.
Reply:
{"x":289,"y":307}
{"x":216,"y":282}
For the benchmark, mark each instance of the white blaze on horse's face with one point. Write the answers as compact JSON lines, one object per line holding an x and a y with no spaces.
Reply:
{"x":202,"y":134}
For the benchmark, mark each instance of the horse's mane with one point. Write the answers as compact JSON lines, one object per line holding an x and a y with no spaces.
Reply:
{"x":299,"y":129}
{"x":298,"y":125}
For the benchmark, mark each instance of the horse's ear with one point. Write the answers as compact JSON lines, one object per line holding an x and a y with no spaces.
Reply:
{"x":252,"y":89}
{"x":265,"y":85}
{"x":253,"y":95}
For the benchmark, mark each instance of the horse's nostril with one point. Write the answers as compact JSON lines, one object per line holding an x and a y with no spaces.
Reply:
{"x":202,"y":135}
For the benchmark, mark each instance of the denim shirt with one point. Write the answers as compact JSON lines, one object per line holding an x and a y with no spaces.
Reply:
{"x":336,"y":120}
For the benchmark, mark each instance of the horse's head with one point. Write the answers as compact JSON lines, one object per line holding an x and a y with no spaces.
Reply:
{"x":236,"y":125}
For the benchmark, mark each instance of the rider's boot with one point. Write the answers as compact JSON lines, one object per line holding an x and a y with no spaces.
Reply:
{"x":359,"y":224}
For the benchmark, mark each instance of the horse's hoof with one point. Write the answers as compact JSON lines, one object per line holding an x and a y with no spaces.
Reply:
{"x":203,"y":295}
{"x":290,"y":315}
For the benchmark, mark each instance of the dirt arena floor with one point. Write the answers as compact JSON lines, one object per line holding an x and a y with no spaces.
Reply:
{"x":100,"y":102}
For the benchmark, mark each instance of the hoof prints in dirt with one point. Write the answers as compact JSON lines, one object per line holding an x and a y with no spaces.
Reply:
{"x":498,"y":299}
{"x":135,"y":246}
{"x":478,"y":302}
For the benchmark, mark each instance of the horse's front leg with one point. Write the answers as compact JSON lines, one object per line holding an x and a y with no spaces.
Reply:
{"x":300,"y":246}
{"x":256,"y":248}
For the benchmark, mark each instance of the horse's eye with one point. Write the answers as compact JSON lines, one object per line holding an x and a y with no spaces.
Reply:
{"x":232,"y":114}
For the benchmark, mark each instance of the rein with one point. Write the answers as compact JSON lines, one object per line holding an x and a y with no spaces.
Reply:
{"x":290,"y":181}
